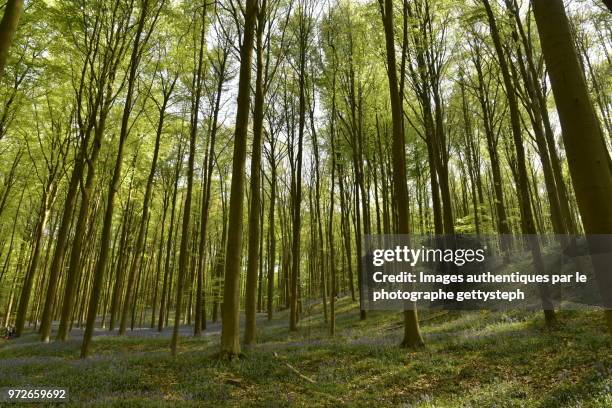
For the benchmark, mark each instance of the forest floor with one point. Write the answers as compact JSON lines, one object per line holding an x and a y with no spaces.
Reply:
{"x":472,"y":359}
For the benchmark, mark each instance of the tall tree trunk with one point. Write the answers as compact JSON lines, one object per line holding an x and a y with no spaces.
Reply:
{"x":186,"y":227}
{"x":165,"y":295}
{"x":37,"y":243}
{"x":540,"y":105}
{"x":250,"y":304}
{"x":318,"y":251}
{"x":532,"y":102}
{"x":230,"y":328}
{"x":160,"y":255}
{"x":100,"y":267}
{"x":200,"y":323}
{"x":412,"y":332}
{"x":345,"y":227}
{"x":304,"y":29}
{"x":330,"y":227}
{"x":503,"y":227}
{"x":142,"y":227}
{"x":122,"y":259}
{"x":588,"y":159}
{"x":527,"y":221}
{"x":272,"y":239}
{"x":74,"y":263}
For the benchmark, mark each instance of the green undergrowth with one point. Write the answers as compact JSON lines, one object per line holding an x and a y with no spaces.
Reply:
{"x":472,"y":359}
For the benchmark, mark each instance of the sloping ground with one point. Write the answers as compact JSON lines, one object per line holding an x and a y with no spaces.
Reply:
{"x":471,"y":360}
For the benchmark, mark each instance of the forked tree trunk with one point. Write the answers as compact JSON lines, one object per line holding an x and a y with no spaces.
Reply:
{"x":74,"y":264}
{"x":527,"y":221}
{"x":142,"y":227}
{"x":255,"y":204}
{"x":200,"y":323}
{"x":100,"y":268}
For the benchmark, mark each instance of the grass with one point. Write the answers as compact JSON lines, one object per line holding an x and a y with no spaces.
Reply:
{"x":476,"y":359}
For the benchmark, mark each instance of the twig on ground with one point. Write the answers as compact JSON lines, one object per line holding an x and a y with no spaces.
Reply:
{"x":295,"y":370}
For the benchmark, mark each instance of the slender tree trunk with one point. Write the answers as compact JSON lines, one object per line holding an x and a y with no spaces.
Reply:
{"x":527,"y":221}
{"x":540,"y":105}
{"x":142,"y":227}
{"x":100,"y":267}
{"x":255,"y":204}
{"x":186,"y":227}
{"x":412,"y":332}
{"x":230,"y":328}
{"x":200,"y":323}
{"x":318,"y":251}
{"x":12,"y":241}
{"x":37,"y":243}
{"x":271,"y":239}
{"x":345,"y":227}
{"x":74,"y":264}
{"x":503,"y":227}
{"x":330,"y":227}
{"x":159,"y":260}
{"x":165,"y":295}
{"x":303,"y":34}
{"x":122,"y":259}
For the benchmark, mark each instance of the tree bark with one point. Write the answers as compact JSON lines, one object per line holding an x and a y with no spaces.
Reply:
{"x":142,"y":227}
{"x":8,"y":28}
{"x":412,"y":332}
{"x":230,"y":328}
{"x":186,"y":227}
{"x":100,"y":267}
{"x":74,"y":264}
{"x":255,"y":185}
{"x":588,"y":159}
{"x":37,"y":238}
{"x":527,"y":221}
